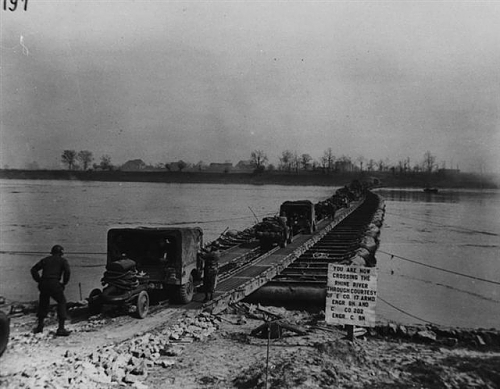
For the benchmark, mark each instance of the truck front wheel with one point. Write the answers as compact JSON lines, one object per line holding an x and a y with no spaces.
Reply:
{"x":142,"y":305}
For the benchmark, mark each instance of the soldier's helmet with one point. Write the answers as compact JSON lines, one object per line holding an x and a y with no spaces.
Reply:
{"x":57,"y":249}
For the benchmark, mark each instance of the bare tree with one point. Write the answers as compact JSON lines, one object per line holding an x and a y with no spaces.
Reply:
{"x":68,"y":157}
{"x":305,"y":160}
{"x":361,"y":160}
{"x":106,"y":163}
{"x":286,"y":160}
{"x":181,"y":165}
{"x":328,"y":159}
{"x":85,"y":157}
{"x":406,"y":165}
{"x":258,"y":159}
{"x":371,"y":165}
{"x":383,"y":164}
{"x":296,"y":161}
{"x":429,"y":162}
{"x":401,"y":167}
{"x":323,"y":162}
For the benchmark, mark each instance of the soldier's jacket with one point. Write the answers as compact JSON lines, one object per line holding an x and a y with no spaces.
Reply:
{"x":211,"y":260}
{"x":53,"y":267}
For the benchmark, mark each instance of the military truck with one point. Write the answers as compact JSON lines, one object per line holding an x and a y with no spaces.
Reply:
{"x":301,"y":216}
{"x":272,"y":231}
{"x":143,"y":260}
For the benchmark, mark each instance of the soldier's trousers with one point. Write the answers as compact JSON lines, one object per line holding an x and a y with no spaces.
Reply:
{"x":210,"y":280}
{"x":51,"y":288}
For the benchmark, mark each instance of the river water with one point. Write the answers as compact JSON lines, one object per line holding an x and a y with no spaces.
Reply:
{"x":457,"y":231}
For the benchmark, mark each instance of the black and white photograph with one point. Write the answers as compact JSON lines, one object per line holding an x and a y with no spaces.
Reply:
{"x":249,"y":194}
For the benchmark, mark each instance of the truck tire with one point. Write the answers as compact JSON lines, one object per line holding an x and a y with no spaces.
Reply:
{"x":4,"y":332}
{"x":142,"y":304}
{"x":95,"y":305}
{"x":186,"y":291}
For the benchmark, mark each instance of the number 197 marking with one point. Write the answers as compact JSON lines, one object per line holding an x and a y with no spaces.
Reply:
{"x":11,"y":5}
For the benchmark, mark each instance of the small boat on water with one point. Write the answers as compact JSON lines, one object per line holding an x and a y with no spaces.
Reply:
{"x":431,"y":190}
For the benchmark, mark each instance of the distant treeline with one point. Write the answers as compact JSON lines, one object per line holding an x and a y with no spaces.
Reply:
{"x":386,"y":179}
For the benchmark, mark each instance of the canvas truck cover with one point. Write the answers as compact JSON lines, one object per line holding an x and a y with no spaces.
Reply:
{"x":137,"y":243}
{"x":299,"y":204}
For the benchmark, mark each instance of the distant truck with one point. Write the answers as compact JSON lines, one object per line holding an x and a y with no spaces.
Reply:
{"x":300,"y":215}
{"x":272,"y":231}
{"x":144,"y":260}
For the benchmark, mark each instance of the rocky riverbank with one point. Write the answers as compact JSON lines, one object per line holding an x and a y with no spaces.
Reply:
{"x":177,"y":348}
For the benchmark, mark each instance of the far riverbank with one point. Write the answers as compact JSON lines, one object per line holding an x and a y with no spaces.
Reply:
{"x":316,"y":178}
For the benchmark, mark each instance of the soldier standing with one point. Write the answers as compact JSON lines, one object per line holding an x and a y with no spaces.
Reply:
{"x":53,"y":268}
{"x":211,"y":268}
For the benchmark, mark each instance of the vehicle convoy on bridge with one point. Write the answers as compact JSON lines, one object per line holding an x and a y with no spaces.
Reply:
{"x":283,"y":258}
{"x":165,"y":262}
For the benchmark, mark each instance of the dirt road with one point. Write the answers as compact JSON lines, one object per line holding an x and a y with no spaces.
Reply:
{"x":175,"y":348}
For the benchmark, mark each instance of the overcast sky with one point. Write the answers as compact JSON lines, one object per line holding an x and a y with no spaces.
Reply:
{"x":215,"y":80}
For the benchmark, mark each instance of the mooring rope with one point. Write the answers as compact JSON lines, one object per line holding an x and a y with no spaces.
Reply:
{"x":405,"y":312}
{"x":439,"y":268}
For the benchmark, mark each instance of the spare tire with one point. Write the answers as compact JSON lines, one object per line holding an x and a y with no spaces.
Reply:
{"x":4,"y":331}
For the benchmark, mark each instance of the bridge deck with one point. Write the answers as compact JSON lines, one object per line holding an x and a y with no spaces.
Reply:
{"x":248,"y":279}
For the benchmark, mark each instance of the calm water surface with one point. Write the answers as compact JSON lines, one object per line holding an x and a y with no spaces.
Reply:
{"x":456,"y":231}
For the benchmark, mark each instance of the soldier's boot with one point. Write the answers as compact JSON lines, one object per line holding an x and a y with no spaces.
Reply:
{"x":39,"y":328}
{"x":61,"y":331}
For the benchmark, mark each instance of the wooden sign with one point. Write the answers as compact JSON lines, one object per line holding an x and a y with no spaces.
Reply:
{"x":351,"y":295}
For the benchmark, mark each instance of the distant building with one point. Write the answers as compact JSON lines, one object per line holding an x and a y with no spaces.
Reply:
{"x":344,"y":166}
{"x":216,"y":167}
{"x":133,"y":165}
{"x":244,"y":166}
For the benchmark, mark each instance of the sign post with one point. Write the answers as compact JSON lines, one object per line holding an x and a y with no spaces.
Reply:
{"x":351,"y":296}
